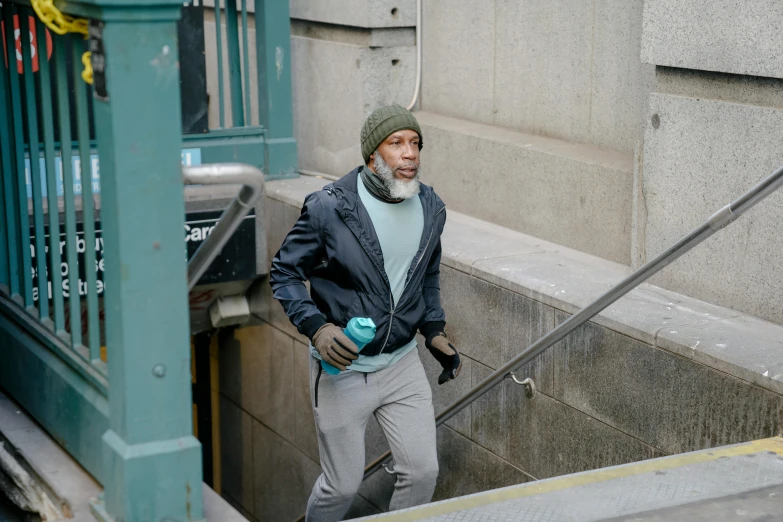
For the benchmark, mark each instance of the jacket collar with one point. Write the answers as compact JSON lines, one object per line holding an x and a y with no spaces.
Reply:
{"x":360,"y":223}
{"x":347,"y":188}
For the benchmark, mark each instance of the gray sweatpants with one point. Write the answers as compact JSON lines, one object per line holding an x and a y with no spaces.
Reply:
{"x":401,"y":399}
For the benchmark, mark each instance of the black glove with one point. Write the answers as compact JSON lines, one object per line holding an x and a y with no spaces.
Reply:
{"x":334,"y":346}
{"x":446,"y":354}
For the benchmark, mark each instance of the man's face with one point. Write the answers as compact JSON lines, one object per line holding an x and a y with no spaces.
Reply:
{"x":400,"y":151}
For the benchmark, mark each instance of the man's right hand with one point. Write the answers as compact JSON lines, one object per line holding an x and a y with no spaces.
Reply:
{"x":334,"y":347}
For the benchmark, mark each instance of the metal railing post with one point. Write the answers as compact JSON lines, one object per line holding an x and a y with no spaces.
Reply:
{"x":275,"y":90}
{"x":152,"y":461}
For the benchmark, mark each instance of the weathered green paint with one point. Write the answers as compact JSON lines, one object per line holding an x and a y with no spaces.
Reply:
{"x":281,"y":158}
{"x":149,"y":463}
{"x":234,"y":67}
{"x":219,"y":43}
{"x":47,"y":120}
{"x":71,"y":409}
{"x":246,"y":64}
{"x":171,"y":462}
{"x":88,"y":213}
{"x":43,"y":334}
{"x":23,"y":221}
{"x":35,"y":170}
{"x":64,"y":118}
{"x":273,"y":53}
{"x":7,"y":158}
{"x":245,"y":145}
{"x":152,"y":462}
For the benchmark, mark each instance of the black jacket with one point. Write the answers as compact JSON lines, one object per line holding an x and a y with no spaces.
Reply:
{"x":334,"y":246}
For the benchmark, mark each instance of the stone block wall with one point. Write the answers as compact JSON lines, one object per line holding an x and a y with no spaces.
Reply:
{"x":349,"y":57}
{"x":567,"y":69}
{"x":340,"y":75}
{"x":712,"y":131}
{"x":358,"y":13}
{"x":604,"y":397}
{"x":568,"y":193}
{"x":715,"y":35}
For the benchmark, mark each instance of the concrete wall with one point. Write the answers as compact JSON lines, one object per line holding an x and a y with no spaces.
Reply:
{"x":572,"y":194}
{"x":357,"y":13}
{"x":709,"y":137}
{"x":349,"y":57}
{"x":340,"y":76}
{"x":605,"y":396}
{"x":568,"y":69}
{"x":715,"y":35}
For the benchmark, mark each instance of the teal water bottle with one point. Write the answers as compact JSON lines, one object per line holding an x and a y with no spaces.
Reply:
{"x":360,"y":330}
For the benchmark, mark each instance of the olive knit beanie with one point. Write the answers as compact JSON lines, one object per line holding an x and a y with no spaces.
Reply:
{"x":383,"y":122}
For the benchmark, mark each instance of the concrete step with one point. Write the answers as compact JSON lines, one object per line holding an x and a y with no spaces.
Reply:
{"x":763,"y":504}
{"x":572,"y":194}
{"x":727,"y":483}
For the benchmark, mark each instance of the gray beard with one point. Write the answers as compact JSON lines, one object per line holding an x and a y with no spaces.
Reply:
{"x":398,"y":188}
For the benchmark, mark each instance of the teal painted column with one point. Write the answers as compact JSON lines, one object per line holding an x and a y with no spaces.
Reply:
{"x":273,"y":40}
{"x":152,"y":462}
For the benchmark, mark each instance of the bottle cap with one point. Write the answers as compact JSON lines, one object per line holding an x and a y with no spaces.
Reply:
{"x":362,"y":329}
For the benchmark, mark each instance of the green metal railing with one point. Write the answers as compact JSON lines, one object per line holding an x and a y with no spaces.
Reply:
{"x":253,"y":122}
{"x":38,"y":190}
{"x":239,"y":72}
{"x":118,"y":396}
{"x":94,"y":338}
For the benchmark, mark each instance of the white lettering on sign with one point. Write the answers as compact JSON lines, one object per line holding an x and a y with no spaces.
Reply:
{"x":65,"y":269}
{"x":197,"y":233}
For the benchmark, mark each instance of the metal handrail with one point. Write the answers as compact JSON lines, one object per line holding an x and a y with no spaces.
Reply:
{"x":252,"y":181}
{"x":719,"y":220}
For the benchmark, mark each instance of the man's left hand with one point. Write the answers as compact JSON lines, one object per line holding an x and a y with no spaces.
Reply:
{"x":446,"y":354}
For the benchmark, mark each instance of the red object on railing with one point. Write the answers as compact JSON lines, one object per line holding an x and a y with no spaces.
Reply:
{"x":33,"y":42}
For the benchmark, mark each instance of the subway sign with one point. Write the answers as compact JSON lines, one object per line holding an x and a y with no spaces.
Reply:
{"x":235,"y":262}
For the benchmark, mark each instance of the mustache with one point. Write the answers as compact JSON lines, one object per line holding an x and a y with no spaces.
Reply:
{"x":408,"y":165}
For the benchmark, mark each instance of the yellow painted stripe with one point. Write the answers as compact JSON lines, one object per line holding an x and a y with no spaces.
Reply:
{"x":774,"y":445}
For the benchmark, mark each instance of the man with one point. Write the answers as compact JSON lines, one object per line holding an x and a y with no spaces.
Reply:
{"x":369,"y":244}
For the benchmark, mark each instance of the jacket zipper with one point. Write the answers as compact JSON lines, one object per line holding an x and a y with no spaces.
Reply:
{"x":415,"y":267}
{"x":391,"y":319}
